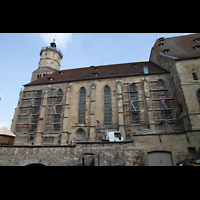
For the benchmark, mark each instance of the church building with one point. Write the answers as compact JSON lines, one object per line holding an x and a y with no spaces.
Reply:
{"x":155,"y":104}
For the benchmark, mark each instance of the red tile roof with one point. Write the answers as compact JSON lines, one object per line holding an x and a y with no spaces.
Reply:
{"x":181,"y":47}
{"x":99,"y":72}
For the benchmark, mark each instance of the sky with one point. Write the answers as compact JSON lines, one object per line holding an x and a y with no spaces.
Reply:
{"x":19,"y":53}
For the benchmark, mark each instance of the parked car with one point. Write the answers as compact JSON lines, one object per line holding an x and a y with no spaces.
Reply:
{"x":187,"y":161}
{"x":196,"y":161}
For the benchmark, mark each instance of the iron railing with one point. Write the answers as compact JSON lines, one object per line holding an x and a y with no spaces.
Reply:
{"x":53,"y":48}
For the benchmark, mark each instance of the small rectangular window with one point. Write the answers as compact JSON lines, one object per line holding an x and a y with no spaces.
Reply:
{"x":195,"y":76}
{"x":145,"y":69}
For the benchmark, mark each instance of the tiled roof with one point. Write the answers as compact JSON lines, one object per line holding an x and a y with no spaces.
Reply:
{"x":181,"y":47}
{"x":99,"y":72}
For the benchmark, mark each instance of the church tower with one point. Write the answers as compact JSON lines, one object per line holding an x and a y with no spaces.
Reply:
{"x":50,"y":59}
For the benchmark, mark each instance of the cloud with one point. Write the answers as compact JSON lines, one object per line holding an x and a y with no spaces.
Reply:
{"x":61,"y":39}
{"x":2,"y":124}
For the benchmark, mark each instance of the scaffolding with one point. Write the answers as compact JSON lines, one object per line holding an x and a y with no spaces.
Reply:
{"x":54,"y":117}
{"x":164,"y":105}
{"x":29,"y":111}
{"x":135,"y":108}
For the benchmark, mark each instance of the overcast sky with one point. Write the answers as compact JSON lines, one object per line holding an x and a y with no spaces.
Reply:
{"x":19,"y":53}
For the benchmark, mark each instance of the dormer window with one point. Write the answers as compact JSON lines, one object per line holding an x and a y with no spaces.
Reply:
{"x":166,"y":51}
{"x":197,"y":47}
{"x":161,"y":44}
{"x":61,"y":72}
{"x":197,"y":40}
{"x":95,"y":74}
{"x":94,"y":68}
{"x":145,"y":70}
{"x":161,"y":39}
{"x":50,"y":79}
{"x":134,"y":65}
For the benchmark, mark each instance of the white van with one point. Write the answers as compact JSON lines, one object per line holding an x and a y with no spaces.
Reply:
{"x":114,"y":136}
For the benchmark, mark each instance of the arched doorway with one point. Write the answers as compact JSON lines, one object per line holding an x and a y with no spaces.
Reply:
{"x":88,"y":159}
{"x":81,"y":136}
{"x":36,"y":165}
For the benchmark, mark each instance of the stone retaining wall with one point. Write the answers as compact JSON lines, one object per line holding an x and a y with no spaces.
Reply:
{"x":103,"y":154}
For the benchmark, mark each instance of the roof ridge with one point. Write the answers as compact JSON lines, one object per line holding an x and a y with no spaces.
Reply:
{"x":104,"y":65}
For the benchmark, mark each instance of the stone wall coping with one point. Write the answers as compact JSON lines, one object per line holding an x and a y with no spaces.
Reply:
{"x":60,"y":146}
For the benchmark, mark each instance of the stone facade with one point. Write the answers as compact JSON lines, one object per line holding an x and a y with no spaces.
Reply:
{"x":54,"y":106}
{"x":94,"y":97}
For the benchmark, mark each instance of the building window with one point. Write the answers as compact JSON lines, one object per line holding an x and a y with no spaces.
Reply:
{"x":134,"y":103}
{"x":60,"y":92}
{"x":180,"y":108}
{"x":58,"y":109}
{"x":197,"y":40}
{"x":107,"y":106}
{"x":45,"y":54}
{"x":197,"y":47}
{"x":145,"y":70}
{"x":56,"y":127}
{"x":162,"y":94}
{"x":48,"y":140}
{"x":59,"y":99}
{"x":166,"y":51}
{"x":194,"y":76}
{"x":82,"y":101}
{"x":198,"y":96}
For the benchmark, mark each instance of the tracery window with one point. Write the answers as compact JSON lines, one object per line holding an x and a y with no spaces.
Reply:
{"x":163,"y":103}
{"x":82,"y":102}
{"x":107,"y":106}
{"x":133,"y":103}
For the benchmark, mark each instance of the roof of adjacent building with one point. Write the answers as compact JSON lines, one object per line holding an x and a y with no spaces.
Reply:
{"x":99,"y":72}
{"x":5,"y":131}
{"x":181,"y":47}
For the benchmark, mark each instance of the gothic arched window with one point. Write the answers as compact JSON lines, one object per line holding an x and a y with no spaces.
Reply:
{"x":161,"y":93}
{"x":60,"y":92}
{"x":107,"y":106}
{"x":82,"y":102}
{"x":59,"y":99}
{"x":133,"y":103}
{"x":164,"y":103}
